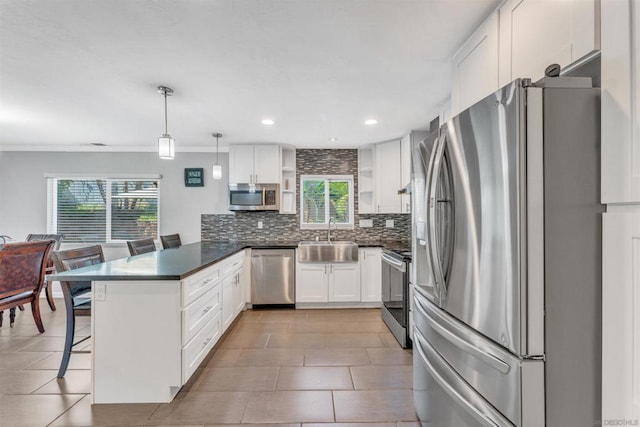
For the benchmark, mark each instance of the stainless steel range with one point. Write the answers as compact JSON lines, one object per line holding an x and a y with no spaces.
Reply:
{"x":395,"y":294}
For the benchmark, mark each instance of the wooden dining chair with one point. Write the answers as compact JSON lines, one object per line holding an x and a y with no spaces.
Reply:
{"x":57,"y":238}
{"x":141,"y":246}
{"x":170,"y":241}
{"x":77,"y":297}
{"x":22,"y":276}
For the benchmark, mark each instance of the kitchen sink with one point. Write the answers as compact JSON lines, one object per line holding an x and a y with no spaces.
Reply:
{"x":324,"y":251}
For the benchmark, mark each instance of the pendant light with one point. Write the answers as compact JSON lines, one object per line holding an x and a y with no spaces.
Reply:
{"x":166,"y":148}
{"x":217,"y":168}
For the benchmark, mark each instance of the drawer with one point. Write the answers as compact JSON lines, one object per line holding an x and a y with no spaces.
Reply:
{"x":199,"y":283}
{"x":199,"y":312}
{"x":232,"y":264}
{"x":197,"y":349}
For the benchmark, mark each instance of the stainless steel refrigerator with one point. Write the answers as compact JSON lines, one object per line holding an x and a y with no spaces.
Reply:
{"x":507,"y":260}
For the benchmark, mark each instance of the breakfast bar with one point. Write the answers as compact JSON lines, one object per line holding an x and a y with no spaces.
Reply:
{"x":156,"y":316}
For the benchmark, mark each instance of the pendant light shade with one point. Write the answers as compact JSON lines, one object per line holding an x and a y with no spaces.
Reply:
{"x":166,"y":144}
{"x":216,"y":171}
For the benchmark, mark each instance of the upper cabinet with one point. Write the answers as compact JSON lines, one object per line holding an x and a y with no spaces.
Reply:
{"x":254,"y":164}
{"x":379,"y":178}
{"x":408,"y":141}
{"x":288,"y":180}
{"x":388,"y":177}
{"x":475,"y":66}
{"x":620,"y":101}
{"x":537,"y":33}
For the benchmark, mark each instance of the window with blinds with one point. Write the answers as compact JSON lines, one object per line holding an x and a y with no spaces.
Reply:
{"x":103,"y":210}
{"x":326,"y":197}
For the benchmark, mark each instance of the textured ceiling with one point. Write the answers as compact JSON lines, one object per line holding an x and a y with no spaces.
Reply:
{"x":75,"y":72}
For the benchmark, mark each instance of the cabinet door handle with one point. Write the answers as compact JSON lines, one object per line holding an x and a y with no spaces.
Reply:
{"x":256,"y":178}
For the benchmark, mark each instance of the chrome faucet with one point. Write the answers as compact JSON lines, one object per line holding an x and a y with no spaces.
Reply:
{"x":329,"y":229}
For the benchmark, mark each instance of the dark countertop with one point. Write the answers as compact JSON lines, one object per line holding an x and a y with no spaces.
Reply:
{"x":178,"y":263}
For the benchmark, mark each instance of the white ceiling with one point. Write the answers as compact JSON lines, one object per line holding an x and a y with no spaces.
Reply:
{"x":74,"y":72}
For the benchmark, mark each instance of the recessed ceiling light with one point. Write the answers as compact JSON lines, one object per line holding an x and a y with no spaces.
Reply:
{"x":333,"y":139}
{"x":98,"y":144}
{"x":370,"y":122}
{"x":268,"y":122}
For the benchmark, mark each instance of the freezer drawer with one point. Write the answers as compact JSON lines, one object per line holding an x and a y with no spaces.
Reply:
{"x":477,"y":372}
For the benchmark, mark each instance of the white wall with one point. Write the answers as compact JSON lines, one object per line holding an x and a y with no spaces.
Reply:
{"x":23,"y":190}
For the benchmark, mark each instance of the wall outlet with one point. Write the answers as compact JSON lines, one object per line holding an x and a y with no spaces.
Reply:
{"x":389,"y":223}
{"x":260,"y":225}
{"x":366,"y":223}
{"x":100,"y":291}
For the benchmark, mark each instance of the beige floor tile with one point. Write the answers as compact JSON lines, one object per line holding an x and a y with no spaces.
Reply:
{"x":297,"y":341}
{"x":238,"y":379}
{"x":409,"y":424}
{"x":314,"y":378}
{"x":374,"y":405}
{"x":332,"y":327}
{"x":46,"y":344}
{"x":202,"y":408}
{"x":52,"y":361}
{"x":350,"y":425}
{"x":84,"y":414}
{"x":282,"y":316}
{"x":12,"y":344}
{"x":34,"y":410}
{"x":225,"y":357}
{"x":271,"y":357}
{"x":246,"y":340}
{"x":289,"y":406}
{"x":74,"y":382}
{"x":382,"y":377}
{"x":24,"y":382}
{"x":389,"y":340}
{"x":345,"y":315}
{"x":336,"y":357}
{"x":254,"y":425}
{"x":353,"y":341}
{"x":390,"y":356}
{"x":20,"y":360}
{"x":260,"y":327}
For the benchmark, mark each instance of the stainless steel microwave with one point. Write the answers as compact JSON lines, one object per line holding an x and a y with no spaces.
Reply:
{"x":254,"y":197}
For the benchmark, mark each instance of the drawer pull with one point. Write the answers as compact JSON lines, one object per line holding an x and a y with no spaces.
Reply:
{"x":207,"y":309}
{"x":207,"y":341}
{"x":209,"y":280}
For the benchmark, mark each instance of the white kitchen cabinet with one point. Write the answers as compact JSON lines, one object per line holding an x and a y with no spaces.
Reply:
{"x":620,"y":102}
{"x":228,"y":309}
{"x":408,"y":141}
{"x":475,"y":66}
{"x":253,"y":164}
{"x":344,"y":282}
{"x":537,"y":33}
{"x":620,"y":308}
{"x":388,"y":177}
{"x":370,"y":274}
{"x":311,"y":283}
{"x":323,"y":283}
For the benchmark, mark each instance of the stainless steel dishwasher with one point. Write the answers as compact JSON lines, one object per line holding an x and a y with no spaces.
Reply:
{"x":273,"y":277}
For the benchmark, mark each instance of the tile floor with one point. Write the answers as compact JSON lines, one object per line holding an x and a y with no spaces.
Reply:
{"x":280,"y":368}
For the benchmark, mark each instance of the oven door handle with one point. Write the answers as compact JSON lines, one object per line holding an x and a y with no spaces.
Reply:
{"x":398,"y":265}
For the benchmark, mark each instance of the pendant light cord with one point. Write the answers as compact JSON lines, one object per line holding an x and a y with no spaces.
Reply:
{"x":217,"y":150}
{"x":165,"y":113}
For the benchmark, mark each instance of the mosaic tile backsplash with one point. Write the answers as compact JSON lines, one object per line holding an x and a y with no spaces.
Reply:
{"x":276,"y":227}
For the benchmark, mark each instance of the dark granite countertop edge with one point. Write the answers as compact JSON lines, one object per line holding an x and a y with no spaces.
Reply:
{"x":235,"y":247}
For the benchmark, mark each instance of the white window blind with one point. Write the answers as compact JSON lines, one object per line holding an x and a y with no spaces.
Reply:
{"x":326,"y":197}
{"x":103,"y":210}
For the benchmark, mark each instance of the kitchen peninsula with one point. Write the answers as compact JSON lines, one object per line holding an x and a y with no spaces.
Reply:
{"x":156,"y":316}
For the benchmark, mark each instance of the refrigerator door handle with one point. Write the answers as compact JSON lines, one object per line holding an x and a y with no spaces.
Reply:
{"x":427,"y":198}
{"x":463,"y":345}
{"x":432,"y":201}
{"x":457,"y":388}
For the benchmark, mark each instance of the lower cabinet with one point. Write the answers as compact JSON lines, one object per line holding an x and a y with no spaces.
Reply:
{"x":370,"y":274}
{"x":318,"y":283}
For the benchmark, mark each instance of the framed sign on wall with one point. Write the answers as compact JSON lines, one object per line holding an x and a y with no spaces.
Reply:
{"x":193,"y":177}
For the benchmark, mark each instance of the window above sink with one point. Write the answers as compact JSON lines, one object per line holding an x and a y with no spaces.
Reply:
{"x":325,"y":198}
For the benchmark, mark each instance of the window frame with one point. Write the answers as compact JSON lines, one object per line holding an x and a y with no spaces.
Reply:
{"x":325,"y":225}
{"x":52,"y":195}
